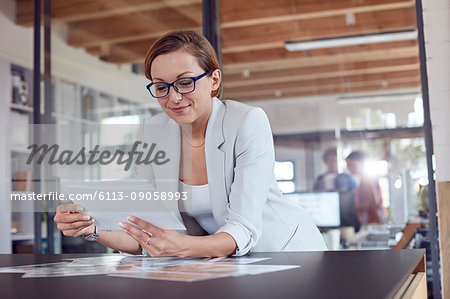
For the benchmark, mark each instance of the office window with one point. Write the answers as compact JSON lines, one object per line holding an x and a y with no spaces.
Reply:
{"x":284,"y":173}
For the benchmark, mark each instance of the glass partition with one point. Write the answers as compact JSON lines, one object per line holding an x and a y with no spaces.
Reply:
{"x":340,"y":83}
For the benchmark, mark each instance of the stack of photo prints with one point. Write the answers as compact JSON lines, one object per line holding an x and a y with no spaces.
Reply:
{"x":144,"y":267}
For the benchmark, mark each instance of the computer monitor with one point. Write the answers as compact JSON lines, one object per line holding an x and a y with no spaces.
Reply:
{"x":323,"y":207}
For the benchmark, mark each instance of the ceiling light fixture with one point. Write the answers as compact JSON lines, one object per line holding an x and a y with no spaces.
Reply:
{"x":351,"y":40}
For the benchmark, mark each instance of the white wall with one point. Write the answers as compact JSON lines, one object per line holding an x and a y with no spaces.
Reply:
{"x":17,"y":42}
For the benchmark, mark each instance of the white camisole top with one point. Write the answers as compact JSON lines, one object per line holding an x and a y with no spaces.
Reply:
{"x":201,"y":206}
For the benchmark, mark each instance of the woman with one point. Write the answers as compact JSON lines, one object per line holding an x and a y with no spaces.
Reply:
{"x":229,"y":153}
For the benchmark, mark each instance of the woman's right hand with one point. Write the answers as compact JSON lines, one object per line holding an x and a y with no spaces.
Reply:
{"x":71,"y":220}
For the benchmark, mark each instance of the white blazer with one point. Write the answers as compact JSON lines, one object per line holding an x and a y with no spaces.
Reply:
{"x":246,"y":202}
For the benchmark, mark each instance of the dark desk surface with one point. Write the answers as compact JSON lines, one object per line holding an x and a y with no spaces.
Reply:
{"x":333,"y":274}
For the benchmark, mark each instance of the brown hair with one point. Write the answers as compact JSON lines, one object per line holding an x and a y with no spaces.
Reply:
{"x":191,"y":42}
{"x":357,"y":156}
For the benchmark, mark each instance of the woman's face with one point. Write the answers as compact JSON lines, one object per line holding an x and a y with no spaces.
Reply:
{"x":185,"y":108}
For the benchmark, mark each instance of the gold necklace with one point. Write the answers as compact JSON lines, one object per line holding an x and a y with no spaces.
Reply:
{"x":194,"y":146}
{"x":197,"y":146}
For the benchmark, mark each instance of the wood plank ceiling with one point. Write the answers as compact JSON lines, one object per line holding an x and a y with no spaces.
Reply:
{"x":255,"y":63}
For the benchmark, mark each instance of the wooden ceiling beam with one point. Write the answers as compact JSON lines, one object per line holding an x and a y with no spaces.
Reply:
{"x":235,"y":53}
{"x":133,"y":52}
{"x":326,"y":68}
{"x":239,"y":39}
{"x":349,"y":86}
{"x":141,"y":25}
{"x":302,"y":11}
{"x":116,"y":32}
{"x":325,"y":86}
{"x":139,"y":37}
{"x":283,"y":54}
{"x":83,"y":10}
{"x":100,"y":51}
{"x":280,"y":64}
{"x":343,"y":79}
{"x":334,"y":89}
{"x":134,"y":26}
{"x":237,"y":10}
{"x":124,"y":59}
{"x":273,"y":82}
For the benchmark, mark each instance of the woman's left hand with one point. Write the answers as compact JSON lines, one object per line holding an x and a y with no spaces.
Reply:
{"x":161,"y":242}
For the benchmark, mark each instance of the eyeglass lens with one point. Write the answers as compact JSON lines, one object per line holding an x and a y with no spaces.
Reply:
{"x":183,"y":85}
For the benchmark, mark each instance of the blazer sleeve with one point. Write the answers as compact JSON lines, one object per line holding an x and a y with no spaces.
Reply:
{"x":253,"y":173}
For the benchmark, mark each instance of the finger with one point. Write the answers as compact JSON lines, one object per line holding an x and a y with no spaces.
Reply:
{"x":148,"y":248}
{"x":69,"y":218}
{"x":152,"y":251}
{"x":142,"y":237}
{"x":74,"y":225}
{"x":154,"y":230}
{"x":69,"y":207}
{"x":135,"y":231}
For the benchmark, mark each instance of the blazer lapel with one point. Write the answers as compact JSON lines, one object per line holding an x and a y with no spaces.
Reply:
{"x":215,"y":162}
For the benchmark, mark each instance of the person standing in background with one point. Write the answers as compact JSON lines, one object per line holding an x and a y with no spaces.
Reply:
{"x":346,"y":185}
{"x":326,"y":181}
{"x":368,"y":200}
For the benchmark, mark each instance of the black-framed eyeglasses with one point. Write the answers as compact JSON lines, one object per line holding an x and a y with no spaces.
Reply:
{"x":183,"y":85}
